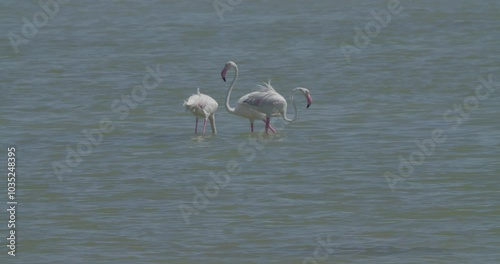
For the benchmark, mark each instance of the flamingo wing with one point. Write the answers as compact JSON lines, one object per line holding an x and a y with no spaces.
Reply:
{"x":207,"y":104}
{"x":253,"y":99}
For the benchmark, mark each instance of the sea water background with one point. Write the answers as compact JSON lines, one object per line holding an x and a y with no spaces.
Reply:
{"x":320,"y":178}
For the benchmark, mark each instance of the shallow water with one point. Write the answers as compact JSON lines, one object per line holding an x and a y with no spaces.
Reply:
{"x":151,"y":191}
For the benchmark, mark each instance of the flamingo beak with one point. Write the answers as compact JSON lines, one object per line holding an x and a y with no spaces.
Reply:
{"x":223,"y":74}
{"x":309,"y":100}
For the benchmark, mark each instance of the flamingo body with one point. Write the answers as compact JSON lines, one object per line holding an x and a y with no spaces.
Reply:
{"x":204,"y":106}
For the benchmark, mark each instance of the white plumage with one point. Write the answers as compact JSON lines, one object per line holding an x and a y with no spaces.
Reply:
{"x":261,"y":104}
{"x":204,"y":106}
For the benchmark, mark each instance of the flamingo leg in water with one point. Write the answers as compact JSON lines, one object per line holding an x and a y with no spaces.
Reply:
{"x":196,"y":126}
{"x":270,"y":127}
{"x":267,"y":124}
{"x":251,"y":126}
{"x":204,"y":125}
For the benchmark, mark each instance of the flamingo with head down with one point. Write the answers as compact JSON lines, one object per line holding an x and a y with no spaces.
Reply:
{"x":204,"y":106}
{"x":266,"y":101}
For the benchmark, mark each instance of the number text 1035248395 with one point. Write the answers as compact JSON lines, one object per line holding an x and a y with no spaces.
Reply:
{"x":11,"y":202}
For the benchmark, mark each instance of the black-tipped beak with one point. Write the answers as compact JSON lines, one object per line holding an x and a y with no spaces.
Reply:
{"x":224,"y":78}
{"x":309,"y":100}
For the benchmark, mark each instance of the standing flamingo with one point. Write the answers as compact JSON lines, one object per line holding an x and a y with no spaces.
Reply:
{"x":241,"y":108}
{"x":267,"y":101}
{"x":202,"y":105}
{"x":273,"y":104}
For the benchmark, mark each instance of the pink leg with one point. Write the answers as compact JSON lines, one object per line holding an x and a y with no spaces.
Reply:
{"x":270,"y":127}
{"x":196,"y":126}
{"x":204,"y":125}
{"x":251,"y":126}
{"x":267,"y":124}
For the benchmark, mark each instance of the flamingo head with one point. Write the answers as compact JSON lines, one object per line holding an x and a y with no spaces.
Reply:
{"x":307,"y":95}
{"x":227,"y":66}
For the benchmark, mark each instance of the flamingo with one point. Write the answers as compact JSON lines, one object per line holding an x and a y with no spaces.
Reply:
{"x":266,"y":101}
{"x":242,"y":109}
{"x":202,"y":105}
{"x":273,"y":104}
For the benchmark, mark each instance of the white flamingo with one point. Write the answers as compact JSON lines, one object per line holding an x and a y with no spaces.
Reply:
{"x":273,"y":104}
{"x":242,"y":109}
{"x":202,"y":105}
{"x":267,"y":101}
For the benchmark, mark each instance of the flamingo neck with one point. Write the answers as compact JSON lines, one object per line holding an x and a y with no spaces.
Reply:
{"x":294,"y":108}
{"x":228,"y":107}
